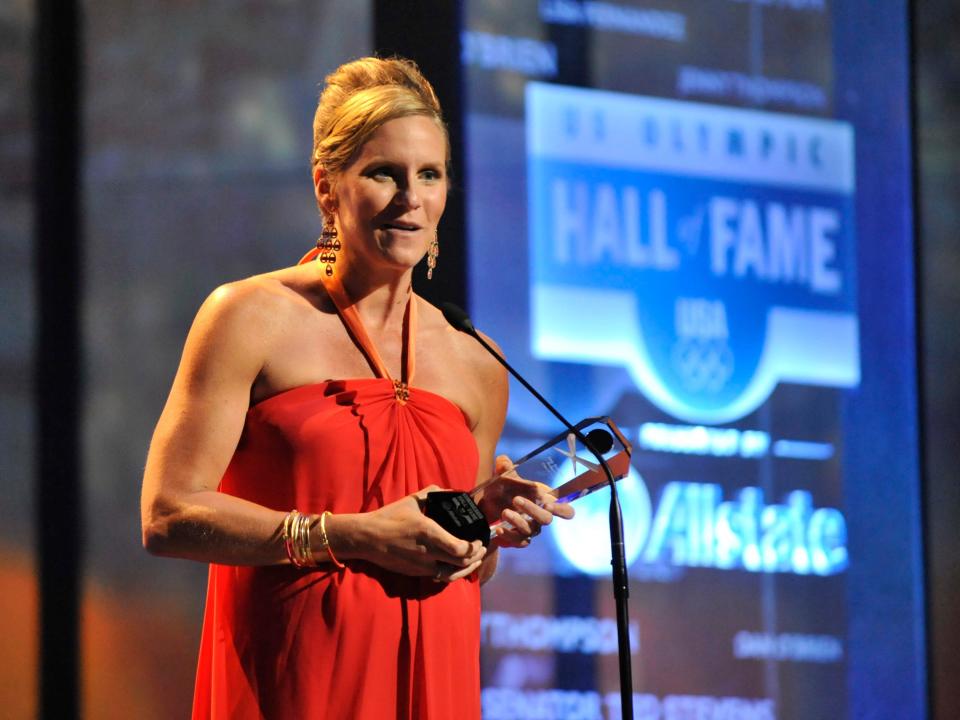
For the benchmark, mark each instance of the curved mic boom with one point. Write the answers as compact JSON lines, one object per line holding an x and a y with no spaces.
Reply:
{"x":597,"y":443}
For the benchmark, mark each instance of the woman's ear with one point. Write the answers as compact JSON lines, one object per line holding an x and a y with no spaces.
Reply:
{"x":323,"y":190}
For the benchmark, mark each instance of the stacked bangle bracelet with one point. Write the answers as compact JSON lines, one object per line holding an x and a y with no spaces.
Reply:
{"x":296,"y":538}
{"x":326,"y":541}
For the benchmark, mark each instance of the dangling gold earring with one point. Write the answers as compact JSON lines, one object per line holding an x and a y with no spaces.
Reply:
{"x":432,"y":253}
{"x":329,"y":246}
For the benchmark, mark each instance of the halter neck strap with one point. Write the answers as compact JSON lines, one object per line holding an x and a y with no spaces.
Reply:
{"x":347,"y":310}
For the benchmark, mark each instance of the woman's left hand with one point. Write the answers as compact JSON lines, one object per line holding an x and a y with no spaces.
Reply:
{"x":526,"y":505}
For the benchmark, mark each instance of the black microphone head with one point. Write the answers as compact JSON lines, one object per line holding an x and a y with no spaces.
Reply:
{"x":458,"y":317}
{"x":600,"y":440}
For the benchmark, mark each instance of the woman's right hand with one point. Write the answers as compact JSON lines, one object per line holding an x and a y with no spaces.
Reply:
{"x":400,"y":538}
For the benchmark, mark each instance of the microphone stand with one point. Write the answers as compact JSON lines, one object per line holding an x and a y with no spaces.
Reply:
{"x":621,"y":589}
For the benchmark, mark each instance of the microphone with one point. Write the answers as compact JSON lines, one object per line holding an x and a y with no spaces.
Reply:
{"x":457,"y":316}
{"x":598,"y":442}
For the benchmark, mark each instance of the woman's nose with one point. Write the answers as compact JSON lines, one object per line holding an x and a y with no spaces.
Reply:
{"x":408,"y":197}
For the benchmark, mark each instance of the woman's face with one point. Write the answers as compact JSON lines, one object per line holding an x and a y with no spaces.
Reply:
{"x":388,"y":201}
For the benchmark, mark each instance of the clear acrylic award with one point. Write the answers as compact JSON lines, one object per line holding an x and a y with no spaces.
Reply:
{"x":564,"y":463}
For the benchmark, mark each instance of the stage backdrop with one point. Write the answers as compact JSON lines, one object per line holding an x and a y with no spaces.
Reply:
{"x":696,"y":218}
{"x":693,"y":216}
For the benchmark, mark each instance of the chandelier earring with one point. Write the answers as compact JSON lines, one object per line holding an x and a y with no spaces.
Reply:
{"x":432,"y":252}
{"x":329,"y":245}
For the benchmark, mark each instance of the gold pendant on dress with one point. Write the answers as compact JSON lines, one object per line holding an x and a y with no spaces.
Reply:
{"x":401,"y":391}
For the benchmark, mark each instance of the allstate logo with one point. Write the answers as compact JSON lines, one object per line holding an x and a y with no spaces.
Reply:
{"x":708,"y":251}
{"x":585,"y":541}
{"x":693,"y":525}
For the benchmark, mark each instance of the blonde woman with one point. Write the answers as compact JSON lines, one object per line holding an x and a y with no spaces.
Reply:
{"x":313,"y":409}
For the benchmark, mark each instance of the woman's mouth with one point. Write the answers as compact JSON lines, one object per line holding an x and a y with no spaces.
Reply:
{"x":402,"y":226}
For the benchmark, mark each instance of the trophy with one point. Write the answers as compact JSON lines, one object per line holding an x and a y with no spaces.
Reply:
{"x":567,"y":463}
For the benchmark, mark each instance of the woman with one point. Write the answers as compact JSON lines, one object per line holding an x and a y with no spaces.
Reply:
{"x":313,"y":409}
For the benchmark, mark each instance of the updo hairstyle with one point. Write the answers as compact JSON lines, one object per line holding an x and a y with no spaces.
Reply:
{"x":359,"y":97}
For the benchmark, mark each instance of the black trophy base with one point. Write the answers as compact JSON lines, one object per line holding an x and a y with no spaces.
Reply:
{"x":458,"y":514}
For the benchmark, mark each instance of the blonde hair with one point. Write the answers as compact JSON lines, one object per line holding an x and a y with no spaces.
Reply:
{"x":361,"y":96}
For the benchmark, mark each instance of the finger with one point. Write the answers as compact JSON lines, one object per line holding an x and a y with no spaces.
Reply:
{"x":520,"y":522}
{"x":441,"y":546}
{"x":511,"y":538}
{"x":445,"y":573}
{"x":506,"y":470}
{"x":538,"y":514}
{"x":477,"y":553}
{"x":560,"y":510}
{"x":463,"y":572}
{"x":502,"y":464}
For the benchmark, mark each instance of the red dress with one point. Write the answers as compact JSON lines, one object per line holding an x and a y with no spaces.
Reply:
{"x":280,"y":642}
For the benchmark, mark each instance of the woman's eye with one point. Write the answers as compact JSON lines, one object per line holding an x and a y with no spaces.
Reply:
{"x":431,"y":175}
{"x":381,"y":174}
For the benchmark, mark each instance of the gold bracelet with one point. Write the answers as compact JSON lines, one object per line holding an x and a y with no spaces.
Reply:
{"x":296,"y":539}
{"x":304,"y":550}
{"x":326,"y":541}
{"x":287,"y":535}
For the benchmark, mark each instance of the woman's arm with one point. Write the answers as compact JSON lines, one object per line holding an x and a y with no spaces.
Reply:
{"x":182,"y":513}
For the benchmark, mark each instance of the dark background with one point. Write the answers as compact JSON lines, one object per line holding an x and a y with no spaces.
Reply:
{"x":936,"y":36}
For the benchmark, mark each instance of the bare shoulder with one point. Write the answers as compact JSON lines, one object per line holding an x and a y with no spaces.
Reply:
{"x":464,"y":349}
{"x":487,"y":365}
{"x":239,"y":320}
{"x":259,"y":302}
